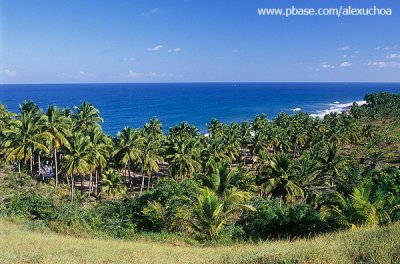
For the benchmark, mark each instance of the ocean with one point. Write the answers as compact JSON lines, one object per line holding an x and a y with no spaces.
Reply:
{"x":134,"y":104}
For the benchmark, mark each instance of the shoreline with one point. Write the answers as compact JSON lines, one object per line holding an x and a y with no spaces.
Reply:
{"x":337,"y":107}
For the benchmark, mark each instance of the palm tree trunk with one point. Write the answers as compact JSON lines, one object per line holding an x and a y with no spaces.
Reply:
{"x":19,"y":171}
{"x":90,"y":183}
{"x":148,"y":182}
{"x":142,"y":186}
{"x":83,"y":181}
{"x":55,"y":164}
{"x":95,"y":190}
{"x":39,"y":168}
{"x":72,"y":187}
{"x":31,"y":164}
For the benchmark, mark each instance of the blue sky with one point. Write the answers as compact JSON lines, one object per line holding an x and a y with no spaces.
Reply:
{"x":76,"y":41}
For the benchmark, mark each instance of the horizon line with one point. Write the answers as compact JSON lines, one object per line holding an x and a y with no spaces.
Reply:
{"x":213,"y":82}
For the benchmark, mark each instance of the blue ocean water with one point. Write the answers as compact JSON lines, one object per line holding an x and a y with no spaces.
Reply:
{"x":134,"y":104}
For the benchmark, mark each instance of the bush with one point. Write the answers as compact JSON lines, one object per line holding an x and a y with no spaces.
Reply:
{"x":273,"y":218}
{"x":30,"y":204}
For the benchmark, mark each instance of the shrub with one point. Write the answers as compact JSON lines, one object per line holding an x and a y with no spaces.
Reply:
{"x":273,"y":218}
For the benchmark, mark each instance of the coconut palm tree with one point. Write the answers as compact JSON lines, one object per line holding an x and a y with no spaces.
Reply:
{"x":58,"y":126}
{"x":362,"y":207}
{"x":77,"y":156}
{"x":154,"y":128}
{"x":129,"y":147}
{"x":23,"y":137}
{"x":215,"y":151}
{"x":211,"y":213}
{"x":150,"y":158}
{"x":332,"y":164}
{"x":112,"y":184}
{"x":221,"y":179}
{"x":86,"y":116}
{"x":260,"y":122}
{"x":101,"y":150}
{"x":280,"y":180}
{"x":183,"y":158}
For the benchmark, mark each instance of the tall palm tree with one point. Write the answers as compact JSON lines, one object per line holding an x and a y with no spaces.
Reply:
{"x":58,"y":126}
{"x":332,"y":164}
{"x":214,"y":152}
{"x":77,"y":158}
{"x":150,"y":158}
{"x":222,"y":179}
{"x":101,"y":150}
{"x":280,"y":179}
{"x":86,"y":116}
{"x":260,"y":122}
{"x":154,"y":128}
{"x":129,"y":146}
{"x":183,"y":158}
{"x":23,"y":137}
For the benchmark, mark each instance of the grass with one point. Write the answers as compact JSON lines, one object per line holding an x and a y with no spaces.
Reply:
{"x":19,"y":244}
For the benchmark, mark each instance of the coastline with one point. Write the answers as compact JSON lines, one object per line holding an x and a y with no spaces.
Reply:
{"x":337,"y":107}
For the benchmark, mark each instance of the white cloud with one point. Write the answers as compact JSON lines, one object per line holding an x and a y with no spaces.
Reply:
{"x":348,"y":56}
{"x":175,"y":50}
{"x":393,"y":56}
{"x":130,"y":59}
{"x":390,"y":47}
{"x":151,"y":75}
{"x":134,"y":74}
{"x":156,"y":48}
{"x":10,"y":73}
{"x":344,"y":48}
{"x":384,"y":64}
{"x":85,"y":74}
{"x":151,"y":12}
{"x":346,"y":64}
{"x":326,"y":65}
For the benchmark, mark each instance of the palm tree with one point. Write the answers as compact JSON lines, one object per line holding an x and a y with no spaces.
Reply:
{"x":112,"y":184}
{"x":260,"y":122}
{"x":280,"y":179}
{"x":309,"y":178}
{"x":77,"y":158}
{"x":211,"y":213}
{"x":332,"y":164}
{"x":183,"y":132}
{"x":101,"y":149}
{"x":86,"y":116}
{"x":154,"y":128}
{"x":183,"y":158}
{"x":23,"y":137}
{"x":150,"y":158}
{"x":360,"y":208}
{"x":223,"y":179}
{"x":58,"y":126}
{"x":214,"y":152}
{"x":129,"y":146}
{"x":5,"y":117}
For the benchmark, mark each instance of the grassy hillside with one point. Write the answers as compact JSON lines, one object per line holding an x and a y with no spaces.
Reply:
{"x":20,"y":245}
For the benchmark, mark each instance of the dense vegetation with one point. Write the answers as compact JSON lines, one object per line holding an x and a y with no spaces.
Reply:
{"x":293,"y":176}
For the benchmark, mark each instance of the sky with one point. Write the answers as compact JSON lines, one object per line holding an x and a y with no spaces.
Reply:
{"x":121,"y":41}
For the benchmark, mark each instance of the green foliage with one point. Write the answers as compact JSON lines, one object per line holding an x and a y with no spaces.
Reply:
{"x":317,"y":173}
{"x":275,"y":218}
